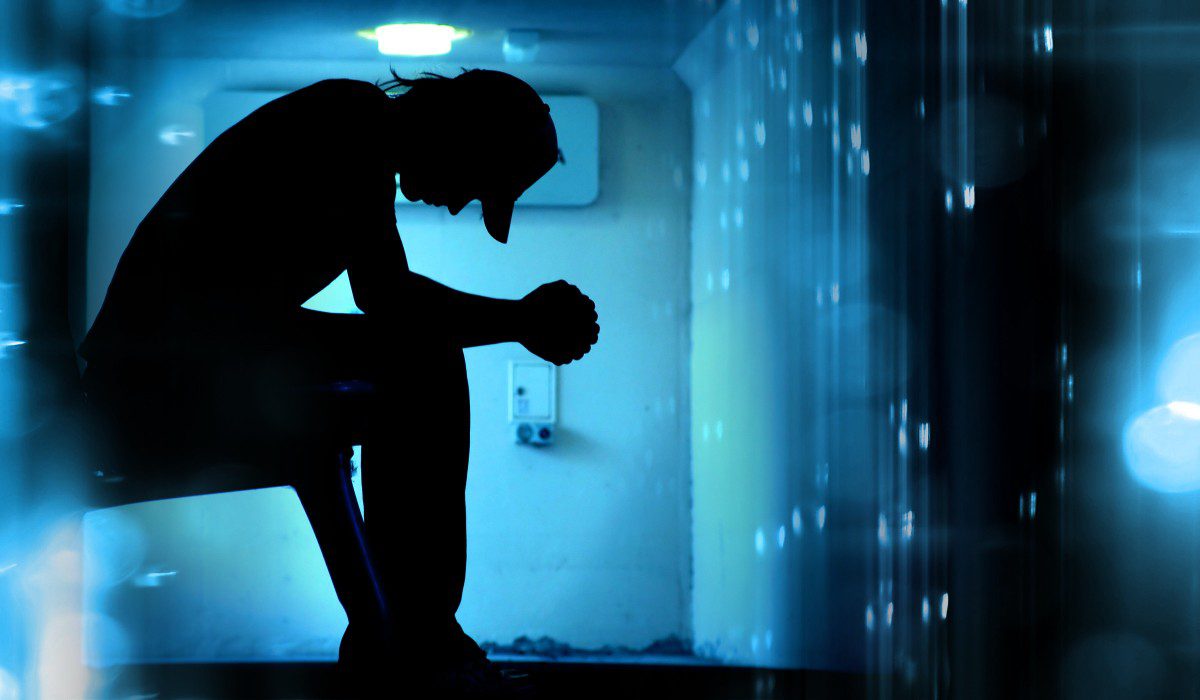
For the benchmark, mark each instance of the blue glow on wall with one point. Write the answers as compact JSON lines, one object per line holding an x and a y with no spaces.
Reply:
{"x":1162,"y":447}
{"x":1179,"y":374}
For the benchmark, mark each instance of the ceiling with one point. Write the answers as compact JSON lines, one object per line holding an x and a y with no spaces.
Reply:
{"x":572,"y":32}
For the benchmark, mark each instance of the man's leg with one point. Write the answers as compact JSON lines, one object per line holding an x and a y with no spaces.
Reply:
{"x":415,"y":448}
{"x":414,"y":476}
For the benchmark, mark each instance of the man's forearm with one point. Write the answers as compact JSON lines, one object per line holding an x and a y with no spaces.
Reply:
{"x":468,"y":320}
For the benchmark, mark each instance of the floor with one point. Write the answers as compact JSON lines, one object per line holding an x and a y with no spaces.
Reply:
{"x":573,"y":680}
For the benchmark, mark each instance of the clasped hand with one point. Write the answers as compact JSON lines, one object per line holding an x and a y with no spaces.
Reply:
{"x":559,"y":322}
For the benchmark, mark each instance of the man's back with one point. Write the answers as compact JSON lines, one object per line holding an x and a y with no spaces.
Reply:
{"x":264,"y":218}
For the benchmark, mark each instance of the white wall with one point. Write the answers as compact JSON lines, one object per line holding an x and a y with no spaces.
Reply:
{"x":589,"y":541}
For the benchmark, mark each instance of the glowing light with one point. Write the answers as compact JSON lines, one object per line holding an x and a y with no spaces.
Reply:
{"x":109,"y":96}
{"x":8,"y":206}
{"x":8,"y":342}
{"x":415,"y":39}
{"x":760,"y":541}
{"x":837,"y":51}
{"x":175,"y":134}
{"x":752,"y":35}
{"x":923,"y":436}
{"x":860,"y":46}
{"x":760,"y":132}
{"x":821,"y":518}
{"x":945,"y":611}
{"x":821,"y":479}
{"x":744,"y":169}
{"x":739,"y":217}
{"x":870,"y":618}
{"x":865,"y":160}
{"x":10,"y":88}
{"x":153,"y":579}
{"x":907,"y":525}
{"x":888,"y":617}
{"x":41,"y":100}
{"x":855,"y":136}
{"x":797,"y":523}
{"x":969,"y":197}
{"x":807,"y":108}
{"x":1048,"y":38}
{"x":781,"y":536}
{"x":720,"y":429}
{"x":1179,"y":373}
{"x":925,"y":609}
{"x":1187,"y":409}
{"x":1162,"y":447}
{"x":521,"y":46}
{"x":949,"y":201}
{"x":883,"y":530}
{"x":725,"y":278}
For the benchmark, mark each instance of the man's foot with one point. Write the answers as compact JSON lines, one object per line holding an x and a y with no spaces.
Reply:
{"x":463,"y":672}
{"x":481,"y":678}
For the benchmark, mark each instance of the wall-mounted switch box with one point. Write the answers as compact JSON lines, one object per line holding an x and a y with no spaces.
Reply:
{"x":531,"y":391}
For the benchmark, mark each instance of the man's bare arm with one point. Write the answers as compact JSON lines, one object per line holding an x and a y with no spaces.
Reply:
{"x":469,"y":320}
{"x":555,"y":321}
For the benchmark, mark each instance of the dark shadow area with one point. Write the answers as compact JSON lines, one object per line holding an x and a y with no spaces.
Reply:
{"x":576,"y":681}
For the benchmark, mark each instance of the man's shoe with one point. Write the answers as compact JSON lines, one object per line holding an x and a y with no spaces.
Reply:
{"x":481,"y":678}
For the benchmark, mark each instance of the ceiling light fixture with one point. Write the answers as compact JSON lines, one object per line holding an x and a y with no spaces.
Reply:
{"x":414,"y":39}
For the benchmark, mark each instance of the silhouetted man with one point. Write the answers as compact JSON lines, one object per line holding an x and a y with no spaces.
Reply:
{"x":202,"y":346}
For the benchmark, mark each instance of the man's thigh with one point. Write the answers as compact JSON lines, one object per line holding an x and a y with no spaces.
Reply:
{"x":319,"y":347}
{"x":409,"y":377}
{"x":281,"y":384}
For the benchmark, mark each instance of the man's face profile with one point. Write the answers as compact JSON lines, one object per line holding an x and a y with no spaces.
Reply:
{"x":459,"y":154}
